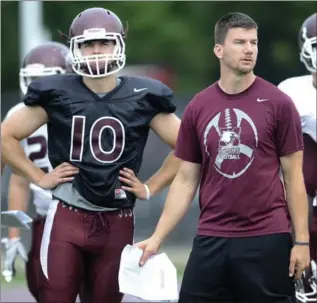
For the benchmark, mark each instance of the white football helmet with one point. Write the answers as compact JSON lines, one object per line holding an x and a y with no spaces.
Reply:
{"x":307,"y":43}
{"x":44,"y":60}
{"x":306,"y":288}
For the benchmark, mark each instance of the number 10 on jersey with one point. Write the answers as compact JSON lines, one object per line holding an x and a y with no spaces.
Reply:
{"x":79,"y":133}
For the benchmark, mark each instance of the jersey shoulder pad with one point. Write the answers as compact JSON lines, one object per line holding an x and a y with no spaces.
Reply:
{"x":158,"y":94}
{"x":296,"y":88}
{"x":14,"y":109}
{"x":41,"y":90}
{"x":292,"y":85}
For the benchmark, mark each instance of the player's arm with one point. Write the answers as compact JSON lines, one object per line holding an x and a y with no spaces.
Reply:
{"x":17,"y":127}
{"x":18,"y":197}
{"x":166,"y":126}
{"x":296,"y":197}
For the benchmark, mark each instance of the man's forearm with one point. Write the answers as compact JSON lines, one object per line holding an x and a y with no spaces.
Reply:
{"x":298,"y":207}
{"x":14,"y":156}
{"x":178,"y":200}
{"x":165,"y":175}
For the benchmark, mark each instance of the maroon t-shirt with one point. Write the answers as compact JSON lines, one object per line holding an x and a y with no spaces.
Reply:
{"x":238,"y":140}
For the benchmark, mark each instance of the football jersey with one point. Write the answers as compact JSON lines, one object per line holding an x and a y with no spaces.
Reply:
{"x":98,"y":134}
{"x":303,"y":94}
{"x":35,"y":148}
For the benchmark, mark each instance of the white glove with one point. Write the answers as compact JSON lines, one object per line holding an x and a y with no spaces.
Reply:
{"x":13,"y":248}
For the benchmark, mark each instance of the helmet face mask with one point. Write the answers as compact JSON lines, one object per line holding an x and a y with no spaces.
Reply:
{"x":308,"y":52}
{"x":44,"y":60}
{"x":97,"y":65}
{"x":308,"y":42}
{"x":97,"y":25}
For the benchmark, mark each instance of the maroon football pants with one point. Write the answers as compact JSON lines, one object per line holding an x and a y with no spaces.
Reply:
{"x":82,"y":246}
{"x":33,"y":265}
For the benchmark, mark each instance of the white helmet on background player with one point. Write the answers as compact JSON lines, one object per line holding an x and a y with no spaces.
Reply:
{"x":44,"y":60}
{"x":307,"y":43}
{"x":306,"y":288}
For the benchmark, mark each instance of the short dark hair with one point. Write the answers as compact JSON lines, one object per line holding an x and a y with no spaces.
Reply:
{"x":232,"y":20}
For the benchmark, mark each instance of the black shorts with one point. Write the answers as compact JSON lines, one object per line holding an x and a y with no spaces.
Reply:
{"x":250,"y":269}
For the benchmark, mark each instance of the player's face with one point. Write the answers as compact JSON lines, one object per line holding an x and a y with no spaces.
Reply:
{"x":240,"y":50}
{"x":97,"y":47}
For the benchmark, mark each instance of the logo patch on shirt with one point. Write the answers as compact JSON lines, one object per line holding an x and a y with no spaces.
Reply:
{"x":119,"y":194}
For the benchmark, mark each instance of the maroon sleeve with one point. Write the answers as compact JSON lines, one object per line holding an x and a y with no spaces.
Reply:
{"x":289,"y":137}
{"x":188,"y":147}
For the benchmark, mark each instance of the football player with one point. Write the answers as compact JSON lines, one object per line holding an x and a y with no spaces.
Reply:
{"x":302,"y":90}
{"x":99,"y":123}
{"x":49,"y":58}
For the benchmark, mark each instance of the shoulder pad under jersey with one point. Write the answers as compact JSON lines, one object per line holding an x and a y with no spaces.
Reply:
{"x":41,"y":90}
{"x":298,"y":89}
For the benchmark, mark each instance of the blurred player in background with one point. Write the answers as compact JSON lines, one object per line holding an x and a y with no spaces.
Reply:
{"x":100,"y":123}
{"x":303,"y":92}
{"x":49,"y":58}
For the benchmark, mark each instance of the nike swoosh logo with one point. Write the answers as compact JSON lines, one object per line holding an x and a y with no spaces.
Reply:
{"x":261,"y":100}
{"x":137,"y":90}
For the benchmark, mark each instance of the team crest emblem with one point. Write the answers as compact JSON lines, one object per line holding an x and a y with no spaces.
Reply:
{"x":119,"y":194}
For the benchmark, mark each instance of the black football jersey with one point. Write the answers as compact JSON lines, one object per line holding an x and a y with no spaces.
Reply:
{"x":99,"y":135}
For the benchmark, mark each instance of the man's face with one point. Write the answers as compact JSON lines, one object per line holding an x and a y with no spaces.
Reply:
{"x":239,"y":50}
{"x":98,"y":47}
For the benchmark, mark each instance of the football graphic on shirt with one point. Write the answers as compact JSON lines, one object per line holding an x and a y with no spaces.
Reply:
{"x":237,"y":138}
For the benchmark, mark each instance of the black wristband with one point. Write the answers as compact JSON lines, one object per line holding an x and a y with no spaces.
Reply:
{"x":301,"y":243}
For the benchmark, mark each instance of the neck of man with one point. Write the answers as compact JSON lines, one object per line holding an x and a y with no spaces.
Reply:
{"x":314,"y":79}
{"x":233,"y":83}
{"x":101,"y":85}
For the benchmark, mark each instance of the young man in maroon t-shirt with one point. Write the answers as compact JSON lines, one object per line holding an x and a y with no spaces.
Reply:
{"x":237,"y":137}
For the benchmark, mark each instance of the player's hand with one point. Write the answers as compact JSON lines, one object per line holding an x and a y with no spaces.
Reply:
{"x":13,"y":248}
{"x":134,"y":185}
{"x":150,"y":247}
{"x":61,"y":174}
{"x":299,"y":261}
